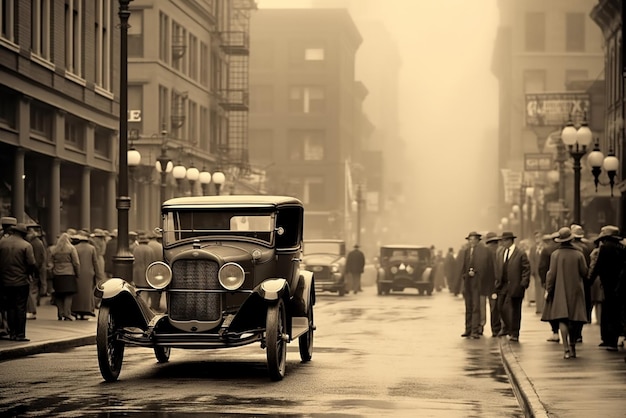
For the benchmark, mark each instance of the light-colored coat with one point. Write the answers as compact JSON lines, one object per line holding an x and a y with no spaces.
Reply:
{"x":83,"y":300}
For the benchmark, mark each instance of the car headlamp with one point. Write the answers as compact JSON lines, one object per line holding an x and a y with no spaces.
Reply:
{"x":402,"y":266}
{"x":334,"y":268}
{"x":158,"y":275}
{"x":394,"y":269}
{"x":410,"y":269}
{"x":231,"y":276}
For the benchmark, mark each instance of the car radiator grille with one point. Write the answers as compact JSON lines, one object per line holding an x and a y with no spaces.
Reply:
{"x":322,"y":273}
{"x":194,"y":275}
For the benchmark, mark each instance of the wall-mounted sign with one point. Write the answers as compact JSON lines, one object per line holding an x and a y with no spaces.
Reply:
{"x":538,"y":162}
{"x":555,"y":109}
{"x":134,"y":115}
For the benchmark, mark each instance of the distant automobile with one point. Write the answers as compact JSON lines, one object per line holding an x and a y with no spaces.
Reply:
{"x":326,"y":259}
{"x":231,"y":275}
{"x":405,"y":266}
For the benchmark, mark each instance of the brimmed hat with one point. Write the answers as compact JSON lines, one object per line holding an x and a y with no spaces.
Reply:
{"x":548,"y":237}
{"x":577,"y":231}
{"x":609,"y":232}
{"x":8,"y":220}
{"x":507,"y":235}
{"x":81,"y":237}
{"x":473,"y":234}
{"x":98,"y":233}
{"x":491,"y":237}
{"x":565,"y":234}
{"x":20,"y":227}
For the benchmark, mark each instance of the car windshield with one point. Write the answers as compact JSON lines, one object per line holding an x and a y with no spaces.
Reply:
{"x":322,"y":248}
{"x":411,"y":254}
{"x":181,"y":225}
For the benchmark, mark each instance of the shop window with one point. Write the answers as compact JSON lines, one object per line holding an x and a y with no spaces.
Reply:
{"x":41,"y":120}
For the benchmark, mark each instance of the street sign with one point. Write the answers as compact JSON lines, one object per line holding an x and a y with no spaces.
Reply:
{"x":538,"y":162}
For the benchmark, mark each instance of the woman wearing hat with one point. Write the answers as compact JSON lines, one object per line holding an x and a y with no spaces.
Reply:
{"x":65,"y":271}
{"x":565,"y":300}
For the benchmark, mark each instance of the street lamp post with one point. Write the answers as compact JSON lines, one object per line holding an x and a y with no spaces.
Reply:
{"x":218,"y":179}
{"x":205,"y":179}
{"x":163,"y":166}
{"x":598,"y":161}
{"x":193,"y":174}
{"x":123,"y":260}
{"x":359,"y":207}
{"x":577,"y":141}
{"x":179,"y":172}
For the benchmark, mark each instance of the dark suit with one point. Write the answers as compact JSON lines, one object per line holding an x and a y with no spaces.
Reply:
{"x":542,"y":269}
{"x":475,"y":284}
{"x":513,"y":278}
{"x":534,"y":255}
{"x":586,"y":247}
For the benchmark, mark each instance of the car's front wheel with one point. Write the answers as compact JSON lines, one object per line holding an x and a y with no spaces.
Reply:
{"x":305,"y":341}
{"x":276,"y":340}
{"x":162,"y":354}
{"x":110,"y":349}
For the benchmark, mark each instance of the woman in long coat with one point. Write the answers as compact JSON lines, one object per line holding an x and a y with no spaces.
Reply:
{"x":565,"y":300}
{"x":65,"y":267}
{"x":83,"y":303}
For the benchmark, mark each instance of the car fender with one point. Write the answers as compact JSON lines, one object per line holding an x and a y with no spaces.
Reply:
{"x":123,"y":298}
{"x":427,"y":274}
{"x":304,"y":296}
{"x":113,"y":287}
{"x":273,"y":289}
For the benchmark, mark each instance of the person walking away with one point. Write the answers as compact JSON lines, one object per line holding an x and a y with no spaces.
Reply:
{"x":7,"y":223}
{"x":440,"y":276}
{"x":549,"y":246}
{"x":513,"y":275}
{"x":144,"y":256}
{"x":83,"y":303}
{"x":565,"y":291}
{"x":65,"y":268}
{"x":449,"y":265}
{"x":476,"y":272}
{"x":109,"y":254}
{"x":39,"y":283}
{"x":17,"y":266}
{"x":597,"y":294}
{"x":492,"y":242}
{"x":585,"y":246}
{"x":608,"y":267}
{"x":534,"y":254}
{"x":355,"y":265}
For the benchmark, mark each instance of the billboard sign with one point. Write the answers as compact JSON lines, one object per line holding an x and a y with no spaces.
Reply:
{"x":538,"y":162}
{"x":554,"y":109}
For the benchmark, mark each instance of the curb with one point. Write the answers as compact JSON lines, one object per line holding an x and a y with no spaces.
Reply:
{"x":522,"y":386}
{"x":46,"y":347}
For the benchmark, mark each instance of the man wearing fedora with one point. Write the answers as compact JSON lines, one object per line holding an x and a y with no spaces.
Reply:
{"x":17,"y":265}
{"x":476,"y":272}
{"x":608,"y":266}
{"x":513,"y":278}
{"x":492,"y":242}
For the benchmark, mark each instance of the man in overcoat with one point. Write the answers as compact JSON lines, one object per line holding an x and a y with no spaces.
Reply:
{"x":549,"y":246}
{"x":513,"y":278}
{"x":355,"y":265}
{"x":476,"y":272}
{"x":492,"y":242}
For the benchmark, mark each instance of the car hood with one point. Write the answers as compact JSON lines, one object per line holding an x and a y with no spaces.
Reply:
{"x":227,"y":251}
{"x":322,"y":259}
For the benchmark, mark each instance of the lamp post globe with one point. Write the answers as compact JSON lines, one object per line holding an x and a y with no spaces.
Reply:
{"x":179,"y":172}
{"x":192,"y":175}
{"x":133,"y":158}
{"x":218,"y":179}
{"x":205,"y":180}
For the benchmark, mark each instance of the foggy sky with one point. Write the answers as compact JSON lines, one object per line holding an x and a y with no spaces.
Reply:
{"x":448,"y":110}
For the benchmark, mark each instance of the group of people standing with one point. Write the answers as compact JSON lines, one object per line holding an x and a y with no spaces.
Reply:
{"x":67,"y":271}
{"x":571,"y":276}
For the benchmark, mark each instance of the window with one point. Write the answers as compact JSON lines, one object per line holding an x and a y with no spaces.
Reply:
{"x":178,"y":117}
{"x":204,"y":64}
{"x":179,"y":35}
{"x":307,"y":99}
{"x":204,"y":128}
{"x":41,"y":119}
{"x":103,"y":44}
{"x":41,"y":35}
{"x":102,"y":142}
{"x":313,"y":192}
{"x":575,"y":32}
{"x":8,"y":108}
{"x":164,"y":107}
{"x":74,"y":132}
{"x":535,"y":27}
{"x":306,"y":145}
{"x":215,"y":71}
{"x":135,"y":34}
{"x":7,"y":20}
{"x":73,"y":36}
{"x":314,"y":54}
{"x":193,"y":122}
{"x":534,"y":81}
{"x":193,"y":57}
{"x":261,"y":98}
{"x":260,"y":146}
{"x":164,"y":38}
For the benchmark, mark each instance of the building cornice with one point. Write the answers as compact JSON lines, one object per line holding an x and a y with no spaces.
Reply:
{"x":606,"y":14}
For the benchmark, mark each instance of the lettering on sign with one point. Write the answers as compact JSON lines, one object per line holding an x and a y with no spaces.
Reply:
{"x":555,"y":109}
{"x":134,"y":115}
{"x":538,"y":162}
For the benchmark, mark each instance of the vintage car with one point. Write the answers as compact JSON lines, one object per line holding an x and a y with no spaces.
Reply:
{"x":326,"y":258}
{"x":231,"y":275}
{"x":405,"y":266}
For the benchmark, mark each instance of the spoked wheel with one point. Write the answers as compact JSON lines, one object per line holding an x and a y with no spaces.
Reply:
{"x":162,"y":354}
{"x":110,"y":350}
{"x":305,"y":341}
{"x":276,"y":340}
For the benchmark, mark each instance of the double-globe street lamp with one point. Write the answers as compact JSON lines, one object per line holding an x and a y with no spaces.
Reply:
{"x":192,"y":174}
{"x":577,"y":141}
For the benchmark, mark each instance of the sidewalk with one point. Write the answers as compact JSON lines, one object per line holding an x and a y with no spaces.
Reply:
{"x":47,"y":334}
{"x":593,"y":384}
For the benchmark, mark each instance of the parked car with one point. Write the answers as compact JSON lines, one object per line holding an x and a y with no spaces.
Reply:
{"x":326,"y":259}
{"x":231,"y":275}
{"x":405,"y":266}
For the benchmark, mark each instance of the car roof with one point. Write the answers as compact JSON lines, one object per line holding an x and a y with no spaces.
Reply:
{"x":337,"y":241}
{"x":231,"y":201}
{"x":404,"y":247}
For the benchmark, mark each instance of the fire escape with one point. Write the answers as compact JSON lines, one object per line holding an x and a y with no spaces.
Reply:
{"x":235,"y":41}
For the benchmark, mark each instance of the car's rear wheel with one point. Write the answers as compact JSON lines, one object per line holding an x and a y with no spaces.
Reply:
{"x":110,"y":349}
{"x":275,"y":338}
{"x":305,"y":341}
{"x":162,"y":353}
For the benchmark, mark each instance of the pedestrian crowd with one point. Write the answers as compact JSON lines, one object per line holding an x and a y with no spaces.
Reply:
{"x":570,"y":278}
{"x":67,"y":271}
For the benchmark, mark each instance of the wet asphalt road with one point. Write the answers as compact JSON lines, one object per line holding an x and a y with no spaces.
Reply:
{"x":397,"y":355}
